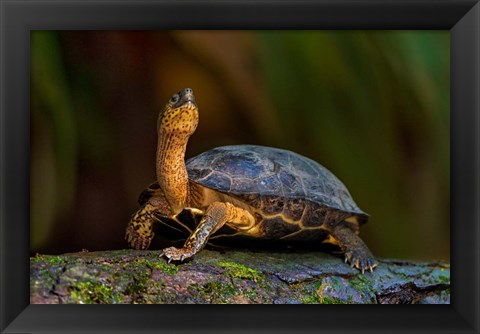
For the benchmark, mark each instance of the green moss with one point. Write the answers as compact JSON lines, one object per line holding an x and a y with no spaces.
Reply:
{"x":218,"y":288}
{"x":444,"y":279}
{"x":215,"y":292}
{"x":250,"y":294}
{"x":311,"y":299}
{"x":167,"y":268}
{"x":236,"y":270}
{"x":319,"y":298}
{"x":438,"y":276}
{"x":139,"y":285}
{"x":170,"y":269}
{"x":55,"y":260}
{"x":328,"y":300}
{"x":360,"y":283}
{"x":322,"y":299}
{"x":51,"y":259}
{"x":90,"y":292}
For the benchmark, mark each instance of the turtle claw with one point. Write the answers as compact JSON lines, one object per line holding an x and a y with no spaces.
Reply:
{"x":360,"y":260}
{"x":177,"y":254}
{"x":371,"y":264}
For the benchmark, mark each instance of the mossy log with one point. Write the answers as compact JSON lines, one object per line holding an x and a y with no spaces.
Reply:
{"x":129,"y":276}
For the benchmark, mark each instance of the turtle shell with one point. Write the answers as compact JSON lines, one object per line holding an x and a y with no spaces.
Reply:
{"x":249,"y":170}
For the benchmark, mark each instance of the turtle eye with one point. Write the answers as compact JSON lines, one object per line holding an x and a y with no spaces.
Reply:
{"x":175,"y":98}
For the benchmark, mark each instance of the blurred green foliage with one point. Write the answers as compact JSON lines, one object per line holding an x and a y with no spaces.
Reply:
{"x":371,"y":106}
{"x":53,"y":138}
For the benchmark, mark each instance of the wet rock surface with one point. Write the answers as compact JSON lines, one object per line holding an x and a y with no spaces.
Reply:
{"x":234,"y":276}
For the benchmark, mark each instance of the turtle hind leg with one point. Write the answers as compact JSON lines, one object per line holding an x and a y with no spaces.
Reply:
{"x":216,"y":215}
{"x":139,"y":232}
{"x":355,"y":250}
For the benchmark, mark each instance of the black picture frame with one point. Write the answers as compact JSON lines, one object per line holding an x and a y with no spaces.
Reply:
{"x":18,"y":18}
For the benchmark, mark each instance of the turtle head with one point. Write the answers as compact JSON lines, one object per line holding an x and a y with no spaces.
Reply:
{"x":180,"y":114}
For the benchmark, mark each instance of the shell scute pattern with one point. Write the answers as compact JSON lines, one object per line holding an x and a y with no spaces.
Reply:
{"x":269,"y":185}
{"x":290,"y":183}
{"x":244,"y":166}
{"x":270,"y":172}
{"x":315,"y":215}
{"x":254,"y":200}
{"x":276,"y":228}
{"x":244,"y":185}
{"x":294,"y":209}
{"x":273,"y":205}
{"x":198,"y":174}
{"x":221,"y":180}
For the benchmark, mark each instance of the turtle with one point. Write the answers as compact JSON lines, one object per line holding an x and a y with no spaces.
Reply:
{"x":249,"y":191}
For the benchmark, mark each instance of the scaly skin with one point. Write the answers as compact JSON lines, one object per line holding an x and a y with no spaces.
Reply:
{"x":175,"y":126}
{"x":139,"y":232}
{"x":355,"y":251}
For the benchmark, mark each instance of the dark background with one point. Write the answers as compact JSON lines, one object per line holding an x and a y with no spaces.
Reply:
{"x":371,"y":106}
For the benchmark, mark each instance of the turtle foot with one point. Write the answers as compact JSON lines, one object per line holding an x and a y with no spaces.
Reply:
{"x":137,"y":240}
{"x":361,"y":259}
{"x":139,"y":231}
{"x":177,"y":254}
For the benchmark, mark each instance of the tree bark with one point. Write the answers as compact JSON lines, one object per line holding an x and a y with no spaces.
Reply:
{"x":233,"y":276}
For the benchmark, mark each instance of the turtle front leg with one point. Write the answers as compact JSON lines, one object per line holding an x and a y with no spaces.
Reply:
{"x":139,"y":232}
{"x":355,"y":250}
{"x":216,"y":215}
